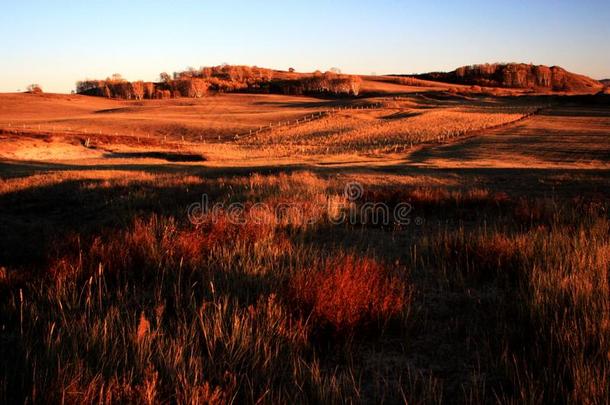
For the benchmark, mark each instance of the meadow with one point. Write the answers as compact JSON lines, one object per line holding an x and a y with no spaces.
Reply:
{"x":492,"y":287}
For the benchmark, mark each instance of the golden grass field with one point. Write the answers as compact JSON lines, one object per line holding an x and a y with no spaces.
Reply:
{"x":493,"y":289}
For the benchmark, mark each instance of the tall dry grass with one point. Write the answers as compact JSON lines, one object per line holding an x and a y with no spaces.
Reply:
{"x":162,"y":311}
{"x":550,"y":320}
{"x":494,"y":299}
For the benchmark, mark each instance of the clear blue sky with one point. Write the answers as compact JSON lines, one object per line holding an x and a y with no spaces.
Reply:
{"x":56,"y":43}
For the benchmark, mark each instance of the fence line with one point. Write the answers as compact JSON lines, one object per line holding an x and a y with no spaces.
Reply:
{"x":89,"y":135}
{"x":469,"y":132}
{"x":308,"y":118}
{"x":20,"y":128}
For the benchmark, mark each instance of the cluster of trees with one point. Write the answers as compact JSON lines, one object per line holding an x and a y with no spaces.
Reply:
{"x":507,"y":75}
{"x":117,"y":87}
{"x":328,"y":83}
{"x":196,"y":83}
{"x":405,"y":81}
{"x":34,"y":89}
{"x":516,"y":75}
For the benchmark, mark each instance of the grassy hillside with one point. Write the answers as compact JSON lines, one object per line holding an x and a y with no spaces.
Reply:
{"x":414,"y":246}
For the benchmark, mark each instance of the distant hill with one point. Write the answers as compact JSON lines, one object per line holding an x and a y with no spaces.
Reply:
{"x":605,"y":82}
{"x":519,"y":76}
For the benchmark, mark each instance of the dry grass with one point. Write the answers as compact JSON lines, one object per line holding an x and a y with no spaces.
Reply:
{"x":194,"y":120}
{"x":349,"y":295}
{"x":552,"y":300}
{"x":160,"y":310}
{"x":383,"y":131}
{"x":60,"y":128}
{"x":499,"y":294}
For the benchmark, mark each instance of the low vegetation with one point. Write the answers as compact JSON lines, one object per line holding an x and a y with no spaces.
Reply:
{"x":152,"y":308}
{"x":349,"y":295}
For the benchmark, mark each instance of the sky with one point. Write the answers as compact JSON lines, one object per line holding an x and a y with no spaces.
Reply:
{"x":56,"y":43}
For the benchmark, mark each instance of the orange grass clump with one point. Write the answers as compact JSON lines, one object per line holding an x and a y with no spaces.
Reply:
{"x":349,"y":294}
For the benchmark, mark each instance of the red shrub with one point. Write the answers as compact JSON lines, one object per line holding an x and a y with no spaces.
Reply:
{"x":348,"y":294}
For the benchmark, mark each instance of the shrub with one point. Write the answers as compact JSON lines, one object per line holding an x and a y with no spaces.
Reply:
{"x":34,"y":89}
{"x":348,"y":294}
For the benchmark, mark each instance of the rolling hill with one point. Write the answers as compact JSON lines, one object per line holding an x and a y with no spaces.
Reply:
{"x":517,"y":75}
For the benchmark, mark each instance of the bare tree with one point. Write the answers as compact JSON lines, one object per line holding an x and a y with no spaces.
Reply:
{"x":137,"y":90}
{"x":116,"y":77}
{"x":165,"y":77}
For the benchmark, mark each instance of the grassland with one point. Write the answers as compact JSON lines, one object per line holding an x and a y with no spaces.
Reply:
{"x":493,"y":288}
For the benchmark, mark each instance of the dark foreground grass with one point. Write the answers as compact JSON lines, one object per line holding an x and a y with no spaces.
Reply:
{"x":493,"y":299}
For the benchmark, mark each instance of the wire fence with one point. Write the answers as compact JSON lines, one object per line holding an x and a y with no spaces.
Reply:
{"x":89,"y":135}
{"x":308,"y":118}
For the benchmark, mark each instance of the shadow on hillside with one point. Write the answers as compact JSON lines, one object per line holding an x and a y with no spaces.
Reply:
{"x":578,"y":112}
{"x":168,"y":156}
{"x":469,"y":175}
{"x":401,"y":115}
{"x":37,"y":215}
{"x":321,"y":104}
{"x":550,"y":145}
